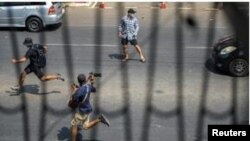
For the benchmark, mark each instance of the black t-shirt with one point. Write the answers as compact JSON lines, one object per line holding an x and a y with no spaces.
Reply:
{"x":32,"y":55}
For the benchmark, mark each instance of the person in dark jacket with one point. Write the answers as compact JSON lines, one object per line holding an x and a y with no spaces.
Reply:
{"x":34,"y":53}
{"x":82,"y":95}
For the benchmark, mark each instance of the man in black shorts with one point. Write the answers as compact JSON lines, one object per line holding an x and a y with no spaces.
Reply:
{"x":128,"y":31}
{"x":36,"y":55}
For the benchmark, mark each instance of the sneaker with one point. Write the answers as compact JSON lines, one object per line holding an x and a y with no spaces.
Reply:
{"x":104,"y":120}
{"x":125,"y":59}
{"x":15,"y":88}
{"x":143,"y":60}
{"x":59,"y":77}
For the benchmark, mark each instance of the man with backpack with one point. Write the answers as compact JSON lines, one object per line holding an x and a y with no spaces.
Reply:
{"x":81,"y":95}
{"x":36,"y":55}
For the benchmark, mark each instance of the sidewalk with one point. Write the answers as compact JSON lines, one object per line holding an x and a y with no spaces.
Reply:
{"x":111,"y":16}
{"x":169,"y":5}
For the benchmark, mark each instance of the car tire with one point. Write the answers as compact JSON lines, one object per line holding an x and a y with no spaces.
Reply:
{"x":34,"y":24}
{"x":238,"y":67}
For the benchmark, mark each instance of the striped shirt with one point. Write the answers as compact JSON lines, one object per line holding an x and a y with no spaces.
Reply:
{"x":129,"y":27}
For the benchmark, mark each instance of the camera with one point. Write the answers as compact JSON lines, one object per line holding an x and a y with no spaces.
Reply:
{"x":96,"y":74}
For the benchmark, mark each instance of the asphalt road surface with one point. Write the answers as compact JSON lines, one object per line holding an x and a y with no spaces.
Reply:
{"x":173,"y":96}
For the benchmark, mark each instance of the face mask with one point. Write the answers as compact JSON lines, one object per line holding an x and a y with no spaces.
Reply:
{"x":132,"y":15}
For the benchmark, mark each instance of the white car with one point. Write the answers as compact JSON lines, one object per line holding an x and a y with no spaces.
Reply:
{"x":32,"y":15}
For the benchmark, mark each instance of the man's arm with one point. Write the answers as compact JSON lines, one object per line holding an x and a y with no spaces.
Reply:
{"x":45,"y":48}
{"x":136,"y":27}
{"x":21,"y":60}
{"x":120,"y":28}
{"x":73,"y":89}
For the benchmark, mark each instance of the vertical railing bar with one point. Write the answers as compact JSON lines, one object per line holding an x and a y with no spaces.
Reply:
{"x":205,"y":77}
{"x":18,"y":70}
{"x":179,"y":72}
{"x":152,"y":58}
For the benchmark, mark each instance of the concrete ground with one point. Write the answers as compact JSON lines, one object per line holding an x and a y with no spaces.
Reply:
{"x":173,"y":96}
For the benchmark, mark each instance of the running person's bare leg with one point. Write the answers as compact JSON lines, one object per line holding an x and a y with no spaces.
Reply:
{"x":51,"y":77}
{"x":88,"y":125}
{"x":139,"y":51}
{"x":125,"y":53}
{"x":21,"y":79}
{"x":73,"y":133}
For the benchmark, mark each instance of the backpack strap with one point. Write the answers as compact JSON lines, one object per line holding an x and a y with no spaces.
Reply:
{"x":84,"y":99}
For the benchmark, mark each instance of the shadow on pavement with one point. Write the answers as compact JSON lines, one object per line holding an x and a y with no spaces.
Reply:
{"x":32,"y":89}
{"x":20,"y":29}
{"x":23,"y":29}
{"x":64,"y":134}
{"x":53,"y":27}
{"x":116,"y":56}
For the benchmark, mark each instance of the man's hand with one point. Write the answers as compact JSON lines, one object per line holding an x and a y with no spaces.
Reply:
{"x":45,"y":48}
{"x":73,"y":88}
{"x":119,"y":34}
{"x":23,"y":59}
{"x":91,"y":79}
{"x":13,"y":61}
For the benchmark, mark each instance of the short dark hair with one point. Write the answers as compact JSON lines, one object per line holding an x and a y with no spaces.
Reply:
{"x":81,"y":79}
{"x":28,"y":41}
{"x":131,"y":11}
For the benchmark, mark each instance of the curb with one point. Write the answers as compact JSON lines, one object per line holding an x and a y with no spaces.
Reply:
{"x":94,"y":5}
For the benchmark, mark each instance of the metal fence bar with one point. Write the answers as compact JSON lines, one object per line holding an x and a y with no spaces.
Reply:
{"x":97,"y":62}
{"x":239,"y":26}
{"x":24,"y":104}
{"x":179,"y":73}
{"x":205,"y":77}
{"x":151,"y":70}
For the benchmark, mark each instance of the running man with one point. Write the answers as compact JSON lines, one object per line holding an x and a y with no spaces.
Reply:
{"x":82,"y":95}
{"x":36,"y":55}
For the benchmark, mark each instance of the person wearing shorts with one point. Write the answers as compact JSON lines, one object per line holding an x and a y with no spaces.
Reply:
{"x":81,"y":117}
{"x":128,"y":31}
{"x":32,"y":55}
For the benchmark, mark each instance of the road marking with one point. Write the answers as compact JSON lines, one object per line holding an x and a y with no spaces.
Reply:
{"x":114,"y":45}
{"x":197,"y":47}
{"x":85,"y":45}
{"x":163,"y":27}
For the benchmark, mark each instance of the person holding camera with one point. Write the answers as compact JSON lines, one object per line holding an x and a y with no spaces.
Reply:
{"x":36,"y":54}
{"x":80,"y":96}
{"x":128,"y":31}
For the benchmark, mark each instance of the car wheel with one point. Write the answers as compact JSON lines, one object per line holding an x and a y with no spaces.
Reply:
{"x":34,"y":24}
{"x":238,"y":67}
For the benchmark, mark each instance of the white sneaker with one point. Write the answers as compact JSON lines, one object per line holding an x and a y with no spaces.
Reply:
{"x":15,"y":88}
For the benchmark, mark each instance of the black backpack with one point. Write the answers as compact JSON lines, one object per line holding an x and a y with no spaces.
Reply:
{"x":41,"y":58}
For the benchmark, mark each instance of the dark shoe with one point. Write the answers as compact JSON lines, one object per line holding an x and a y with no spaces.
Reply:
{"x":79,"y":127}
{"x":104,"y":120}
{"x":59,"y":77}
